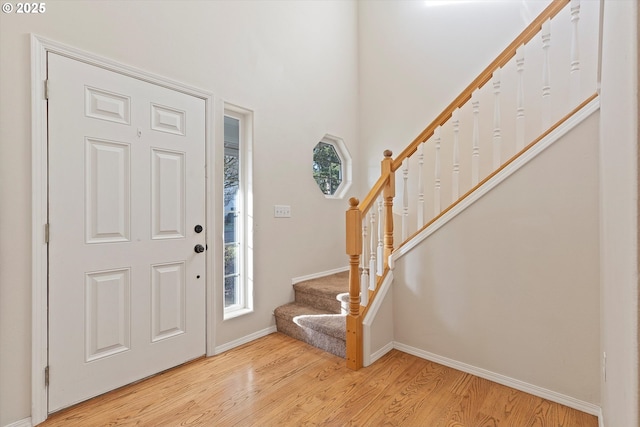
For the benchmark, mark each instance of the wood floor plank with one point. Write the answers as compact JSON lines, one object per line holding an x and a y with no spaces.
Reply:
{"x":406,"y":402}
{"x":436,"y":403}
{"x":240,"y":395}
{"x":473,"y":391}
{"x":295,"y":398}
{"x":357,"y":400}
{"x":326,"y":398}
{"x":506,"y":406}
{"x":280,"y":382}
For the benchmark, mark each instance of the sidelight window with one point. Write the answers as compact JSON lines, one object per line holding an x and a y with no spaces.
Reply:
{"x":237,"y":216}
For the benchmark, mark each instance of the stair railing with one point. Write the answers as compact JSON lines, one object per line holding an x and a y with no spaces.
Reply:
{"x":380,"y":249}
{"x":370,"y":223}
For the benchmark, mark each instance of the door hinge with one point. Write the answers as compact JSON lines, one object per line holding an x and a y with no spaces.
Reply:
{"x":46,"y":376}
{"x":46,"y":233}
{"x":46,"y":89}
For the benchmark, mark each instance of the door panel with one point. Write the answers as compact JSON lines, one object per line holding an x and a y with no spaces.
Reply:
{"x":107,"y":310}
{"x":107,"y":191}
{"x":167,"y":194}
{"x":167,"y":300}
{"x":126,"y":188}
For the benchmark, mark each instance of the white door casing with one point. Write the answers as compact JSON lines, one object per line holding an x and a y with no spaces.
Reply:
{"x":126,"y":189}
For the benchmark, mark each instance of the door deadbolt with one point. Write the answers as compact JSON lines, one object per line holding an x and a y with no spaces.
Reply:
{"x":198,"y":249}
{"x":198,"y":228}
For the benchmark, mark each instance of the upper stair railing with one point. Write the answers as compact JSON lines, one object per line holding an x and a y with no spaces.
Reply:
{"x":370,"y":223}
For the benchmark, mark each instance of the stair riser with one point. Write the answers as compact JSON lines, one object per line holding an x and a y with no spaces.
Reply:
{"x":330,"y":304}
{"x":317,"y":339}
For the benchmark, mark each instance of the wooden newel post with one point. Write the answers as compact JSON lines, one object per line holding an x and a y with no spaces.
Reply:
{"x":388,"y":193}
{"x":354,"y":249}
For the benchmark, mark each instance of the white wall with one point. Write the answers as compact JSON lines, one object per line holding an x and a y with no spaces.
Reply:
{"x":293,"y":63}
{"x":510,"y":285}
{"x":415,"y":59}
{"x":619,"y":213}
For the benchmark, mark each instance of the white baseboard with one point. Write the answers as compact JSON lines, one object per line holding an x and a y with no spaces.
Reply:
{"x":240,"y":341}
{"x":378,"y":354}
{"x":22,"y":423}
{"x":318,"y":275}
{"x":535,"y":390}
{"x":368,"y":357}
{"x":600,"y":418}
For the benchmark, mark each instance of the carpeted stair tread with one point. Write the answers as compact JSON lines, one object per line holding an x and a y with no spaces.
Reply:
{"x":321,"y":292}
{"x":313,"y":318}
{"x":323,"y":330}
{"x":331,"y":285}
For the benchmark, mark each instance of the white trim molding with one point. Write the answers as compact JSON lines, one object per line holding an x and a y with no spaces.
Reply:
{"x":373,"y":357}
{"x":369,"y":357}
{"x":39,"y":215}
{"x":544,"y":393}
{"x":21,"y":423}
{"x":318,"y":275}
{"x":39,"y":182}
{"x":244,"y":340}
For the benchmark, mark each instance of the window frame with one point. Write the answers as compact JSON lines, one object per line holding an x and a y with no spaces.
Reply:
{"x":244,"y":239}
{"x":346,"y":165}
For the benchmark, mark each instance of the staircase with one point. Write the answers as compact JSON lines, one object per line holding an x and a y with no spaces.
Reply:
{"x":479,"y":150}
{"x":315,"y":316}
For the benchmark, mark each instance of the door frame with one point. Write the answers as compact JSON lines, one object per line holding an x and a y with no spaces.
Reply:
{"x":40,"y":46}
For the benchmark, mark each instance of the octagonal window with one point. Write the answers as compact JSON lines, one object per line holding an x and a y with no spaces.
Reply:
{"x":332,"y":167}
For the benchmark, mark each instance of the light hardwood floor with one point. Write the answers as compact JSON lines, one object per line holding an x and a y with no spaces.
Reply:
{"x":279,"y":381}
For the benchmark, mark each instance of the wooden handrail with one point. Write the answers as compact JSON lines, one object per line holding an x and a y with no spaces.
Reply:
{"x":532,"y":29}
{"x":375,"y":191}
{"x":379,"y":186}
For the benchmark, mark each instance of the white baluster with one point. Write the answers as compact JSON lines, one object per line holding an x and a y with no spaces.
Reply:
{"x":364,"y":275}
{"x":405,"y":198}
{"x":520,"y":99}
{"x":420,"y":213}
{"x":436,"y":190}
{"x":364,"y":292}
{"x":380,"y":255}
{"x":372,"y":251}
{"x":575,"y":55}
{"x":497,"y":132}
{"x":546,"y":76}
{"x":455,"y":186}
{"x":475,"y":156}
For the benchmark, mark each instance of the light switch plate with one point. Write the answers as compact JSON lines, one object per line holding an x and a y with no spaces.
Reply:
{"x":282,"y":211}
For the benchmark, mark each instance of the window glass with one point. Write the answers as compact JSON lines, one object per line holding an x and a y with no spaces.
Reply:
{"x":332,"y":167}
{"x":232,"y":214}
{"x":237,"y":278}
{"x":327,"y":168}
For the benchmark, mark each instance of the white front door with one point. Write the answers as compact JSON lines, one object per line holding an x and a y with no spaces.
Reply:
{"x":126,"y":203}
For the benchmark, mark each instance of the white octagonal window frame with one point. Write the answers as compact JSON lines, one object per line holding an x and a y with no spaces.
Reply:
{"x":346,"y":165}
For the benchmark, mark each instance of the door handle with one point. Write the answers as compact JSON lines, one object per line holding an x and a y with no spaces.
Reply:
{"x":198,"y":249}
